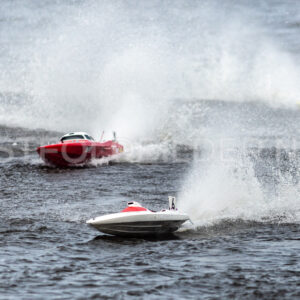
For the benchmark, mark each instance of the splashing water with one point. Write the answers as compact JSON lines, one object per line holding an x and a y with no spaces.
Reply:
{"x":227,"y":184}
{"x":120,"y":66}
{"x":142,"y":70}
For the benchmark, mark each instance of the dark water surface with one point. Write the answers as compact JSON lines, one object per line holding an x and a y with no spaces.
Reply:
{"x":47,"y":250}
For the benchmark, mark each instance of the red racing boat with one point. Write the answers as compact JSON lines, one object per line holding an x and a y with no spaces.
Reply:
{"x":77,"y":148}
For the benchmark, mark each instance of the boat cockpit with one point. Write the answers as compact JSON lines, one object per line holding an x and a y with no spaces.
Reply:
{"x":76,"y":136}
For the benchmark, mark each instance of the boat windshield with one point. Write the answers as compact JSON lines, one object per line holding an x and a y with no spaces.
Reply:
{"x":89,"y":137}
{"x":72,"y":137}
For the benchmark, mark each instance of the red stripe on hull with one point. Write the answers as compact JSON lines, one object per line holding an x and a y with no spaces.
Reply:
{"x":134,"y":208}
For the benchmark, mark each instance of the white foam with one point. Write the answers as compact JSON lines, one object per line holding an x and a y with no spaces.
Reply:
{"x":218,"y":189}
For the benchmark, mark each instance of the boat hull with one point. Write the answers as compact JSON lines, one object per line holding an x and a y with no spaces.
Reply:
{"x":77,"y":153}
{"x":134,"y":229}
{"x":139,"y":223}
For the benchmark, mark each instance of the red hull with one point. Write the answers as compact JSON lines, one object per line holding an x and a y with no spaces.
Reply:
{"x":70,"y":153}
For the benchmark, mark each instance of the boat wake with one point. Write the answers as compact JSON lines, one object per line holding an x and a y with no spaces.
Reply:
{"x":262,"y":185}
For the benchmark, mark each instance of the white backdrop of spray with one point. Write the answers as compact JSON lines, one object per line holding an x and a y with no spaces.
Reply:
{"x":121,"y":66}
{"x":223,"y":185}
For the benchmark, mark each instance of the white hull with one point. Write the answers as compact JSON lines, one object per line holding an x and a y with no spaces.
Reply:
{"x":139,"y":223}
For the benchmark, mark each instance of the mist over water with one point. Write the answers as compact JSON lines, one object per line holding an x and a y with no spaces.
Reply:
{"x":120,"y":65}
{"x":143,"y":69}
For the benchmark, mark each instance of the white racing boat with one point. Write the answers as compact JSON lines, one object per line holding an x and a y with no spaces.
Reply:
{"x":136,"y":220}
